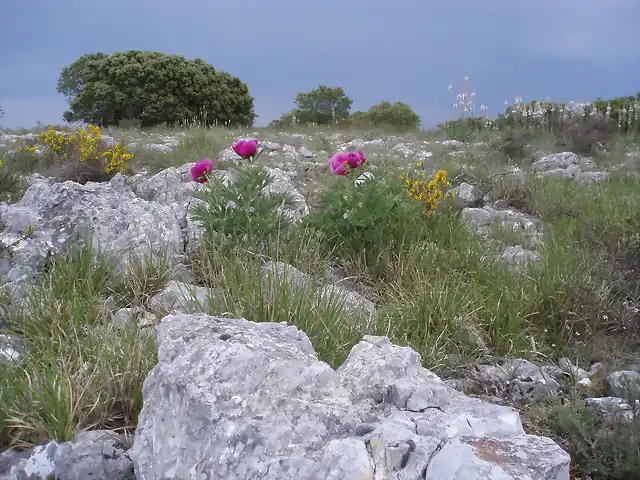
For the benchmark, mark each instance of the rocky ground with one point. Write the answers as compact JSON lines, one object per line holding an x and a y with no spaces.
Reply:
{"x":434,"y":375}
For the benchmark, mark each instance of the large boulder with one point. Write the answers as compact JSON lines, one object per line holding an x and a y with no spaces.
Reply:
{"x":109,"y":214}
{"x":231,"y":398}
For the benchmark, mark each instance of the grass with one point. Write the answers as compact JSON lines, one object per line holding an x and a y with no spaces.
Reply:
{"x":601,"y":448}
{"x":432,"y":280}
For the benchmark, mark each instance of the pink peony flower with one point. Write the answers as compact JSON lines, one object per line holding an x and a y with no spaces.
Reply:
{"x":246,"y":148}
{"x":339,"y":163}
{"x":356,"y":159}
{"x":200,"y":170}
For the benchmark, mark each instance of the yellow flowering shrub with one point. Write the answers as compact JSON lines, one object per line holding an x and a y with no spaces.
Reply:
{"x":84,"y":145}
{"x":116,"y":158}
{"x":430,"y":192}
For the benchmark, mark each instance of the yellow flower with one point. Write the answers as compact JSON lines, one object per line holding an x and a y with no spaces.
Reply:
{"x":430,"y":193}
{"x":116,"y":158}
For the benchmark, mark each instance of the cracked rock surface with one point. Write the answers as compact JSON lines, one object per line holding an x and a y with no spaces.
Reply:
{"x":231,"y":398}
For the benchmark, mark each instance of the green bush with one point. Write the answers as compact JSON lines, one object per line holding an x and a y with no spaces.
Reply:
{"x":240,"y":211}
{"x":601,"y":448}
{"x":369,"y":221}
{"x":463,"y":129}
{"x":10,"y":185}
{"x":154,"y":88}
{"x":396,"y":115}
{"x":513,"y":142}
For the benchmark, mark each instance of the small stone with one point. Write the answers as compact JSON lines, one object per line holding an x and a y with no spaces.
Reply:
{"x":467,"y":195}
{"x":305,"y":152}
{"x":180,"y":297}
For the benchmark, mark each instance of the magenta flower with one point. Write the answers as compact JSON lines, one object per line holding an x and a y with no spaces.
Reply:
{"x":246,"y":148}
{"x":356,"y":159}
{"x":201,"y":169}
{"x":342,"y":162}
{"x":339,"y":163}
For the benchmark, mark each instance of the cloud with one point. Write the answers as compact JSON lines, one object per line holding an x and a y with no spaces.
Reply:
{"x":405,"y":50}
{"x":590,"y":30}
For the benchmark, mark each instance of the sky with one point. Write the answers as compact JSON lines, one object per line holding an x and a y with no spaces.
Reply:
{"x":376,"y":50}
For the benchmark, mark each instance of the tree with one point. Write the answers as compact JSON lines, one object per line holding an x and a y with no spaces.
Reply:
{"x":322,"y":106}
{"x":153,"y":88}
{"x":286,"y":120}
{"x":398,"y":115}
{"x":357,"y":119}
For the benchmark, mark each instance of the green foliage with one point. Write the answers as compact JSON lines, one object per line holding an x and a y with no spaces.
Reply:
{"x":368,"y":221}
{"x":286,"y":120}
{"x":243,"y":289}
{"x":359,"y":118}
{"x":623,"y":111}
{"x":82,"y":371}
{"x":322,"y":106}
{"x":195,"y":143}
{"x":602,"y":448}
{"x":145,"y":276}
{"x":463,"y":129}
{"x":240,"y":211}
{"x":10,"y":185}
{"x":582,"y":128}
{"x":514,"y":143}
{"x":585,"y":136}
{"x":395,"y":115}
{"x":154,"y":88}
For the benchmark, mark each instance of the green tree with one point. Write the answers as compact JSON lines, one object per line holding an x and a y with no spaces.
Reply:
{"x":285,"y":120}
{"x":322,"y":106}
{"x":359,"y":118}
{"x":153,"y":88}
{"x":399,"y":115}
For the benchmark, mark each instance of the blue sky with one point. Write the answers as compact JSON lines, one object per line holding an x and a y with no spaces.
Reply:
{"x":402,"y":50}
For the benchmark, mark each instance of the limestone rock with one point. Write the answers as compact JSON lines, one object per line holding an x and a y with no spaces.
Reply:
{"x":234,"y":399}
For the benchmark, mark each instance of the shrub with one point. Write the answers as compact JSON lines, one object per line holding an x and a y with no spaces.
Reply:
{"x":622,"y":111}
{"x":286,"y":120}
{"x":513,"y":143}
{"x":365,"y":221}
{"x":584,"y":136}
{"x":10,"y":184}
{"x":83,"y":152}
{"x":430,"y":193}
{"x":463,"y":129}
{"x":241,"y":211}
{"x":601,"y":448}
{"x":396,"y":115}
